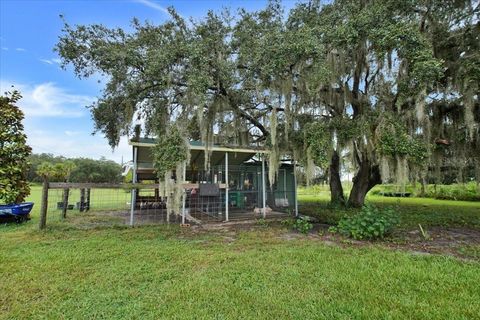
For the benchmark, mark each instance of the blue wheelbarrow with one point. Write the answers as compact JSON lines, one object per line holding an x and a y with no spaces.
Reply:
{"x":15,"y":212}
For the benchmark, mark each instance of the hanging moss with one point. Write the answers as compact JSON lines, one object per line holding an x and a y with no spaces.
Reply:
{"x":172,"y":189}
{"x":420,"y":106}
{"x":385,"y":169}
{"x":273,"y":127}
{"x":169,"y":183}
{"x":178,"y":189}
{"x":469,"y":105}
{"x":273,"y":165}
{"x":170,"y":153}
{"x":394,"y":141}
{"x":318,"y":142}
{"x":310,"y":167}
{"x":401,"y":172}
{"x":205,"y":133}
{"x":285,"y":91}
{"x":162,"y":188}
{"x":170,"y":150}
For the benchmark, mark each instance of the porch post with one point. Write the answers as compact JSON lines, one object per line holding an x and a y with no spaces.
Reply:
{"x":226,"y":186}
{"x":134,"y":180}
{"x":295,"y":183}
{"x":264,"y":213}
{"x":184,"y":195}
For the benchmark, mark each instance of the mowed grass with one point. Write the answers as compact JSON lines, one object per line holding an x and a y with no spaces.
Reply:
{"x":413,"y":211}
{"x":163,"y":271}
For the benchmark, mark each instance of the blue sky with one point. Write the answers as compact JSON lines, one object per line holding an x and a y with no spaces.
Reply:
{"x":56,"y":120}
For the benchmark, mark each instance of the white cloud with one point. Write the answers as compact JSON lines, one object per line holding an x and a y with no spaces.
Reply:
{"x":81,"y":145}
{"x":51,"y":61}
{"x":5,"y":48}
{"x":46,"y":61}
{"x":49,"y":100}
{"x":153,"y":5}
{"x":20,"y":49}
{"x":72,"y":133}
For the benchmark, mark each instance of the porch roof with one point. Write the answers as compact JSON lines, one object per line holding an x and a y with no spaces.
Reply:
{"x":198,"y":145}
{"x":238,"y":155}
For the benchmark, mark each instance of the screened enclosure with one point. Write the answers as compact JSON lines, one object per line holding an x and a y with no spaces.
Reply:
{"x":235,"y":187}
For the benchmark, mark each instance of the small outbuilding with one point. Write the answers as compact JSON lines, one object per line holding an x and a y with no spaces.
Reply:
{"x":236,"y":185}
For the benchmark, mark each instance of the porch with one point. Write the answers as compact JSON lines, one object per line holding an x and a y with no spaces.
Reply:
{"x":235,"y":187}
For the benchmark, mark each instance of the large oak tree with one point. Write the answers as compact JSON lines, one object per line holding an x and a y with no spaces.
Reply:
{"x":389,"y":86}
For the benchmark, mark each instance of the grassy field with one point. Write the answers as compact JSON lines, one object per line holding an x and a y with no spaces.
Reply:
{"x":164,"y":272}
{"x":413,"y":211}
{"x":256,"y":272}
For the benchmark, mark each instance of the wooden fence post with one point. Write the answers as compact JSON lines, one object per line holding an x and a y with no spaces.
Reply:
{"x":87,"y":206}
{"x":44,"y":207}
{"x":66,"y":191}
{"x":82,"y":199}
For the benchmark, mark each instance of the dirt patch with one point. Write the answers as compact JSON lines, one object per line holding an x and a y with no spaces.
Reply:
{"x":463,"y":243}
{"x":450,"y":241}
{"x":459,"y":242}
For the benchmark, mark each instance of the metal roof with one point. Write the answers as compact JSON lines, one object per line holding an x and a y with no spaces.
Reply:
{"x":237,"y":155}
{"x":198,"y":145}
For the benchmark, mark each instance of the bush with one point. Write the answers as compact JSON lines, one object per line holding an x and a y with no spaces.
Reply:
{"x":466,"y":192}
{"x":370,"y":223}
{"x":302,"y":226}
{"x":288,"y":223}
{"x":14,"y":151}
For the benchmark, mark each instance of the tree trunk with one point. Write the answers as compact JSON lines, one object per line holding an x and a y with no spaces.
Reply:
{"x":367,"y":177}
{"x":336,"y":189}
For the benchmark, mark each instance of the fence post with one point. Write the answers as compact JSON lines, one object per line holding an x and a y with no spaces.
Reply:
{"x":264,"y":186}
{"x":133,"y":192}
{"x":296,"y":186}
{"x":87,"y":207}
{"x":226,"y":186}
{"x":66,"y":191}
{"x":184,"y":194}
{"x":43,"y":208}
{"x":82,"y":199}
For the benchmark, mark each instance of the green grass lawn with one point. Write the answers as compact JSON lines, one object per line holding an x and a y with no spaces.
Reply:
{"x":162,"y":271}
{"x":413,"y":211}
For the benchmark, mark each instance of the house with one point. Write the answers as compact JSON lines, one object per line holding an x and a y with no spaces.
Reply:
{"x":235,"y":187}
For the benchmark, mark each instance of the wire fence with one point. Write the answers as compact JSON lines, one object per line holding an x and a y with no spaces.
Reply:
{"x":138,"y":204}
{"x":99,"y":205}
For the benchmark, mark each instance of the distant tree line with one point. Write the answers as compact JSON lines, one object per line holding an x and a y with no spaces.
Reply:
{"x":84,"y":169}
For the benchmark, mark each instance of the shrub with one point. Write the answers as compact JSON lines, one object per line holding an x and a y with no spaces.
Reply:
{"x":288,"y":223}
{"x":14,"y":151}
{"x":302,"y":226}
{"x":262,"y":222}
{"x":370,"y":223}
{"x":466,"y":192}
